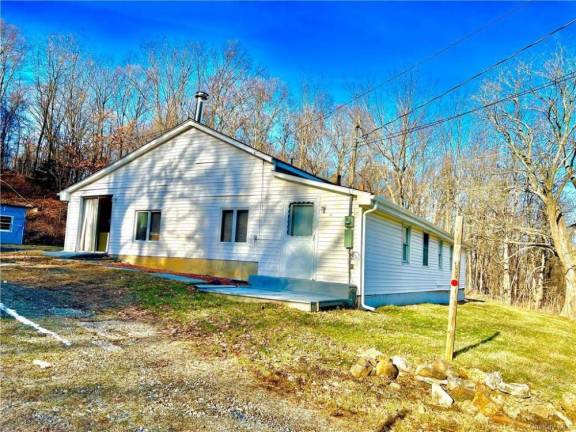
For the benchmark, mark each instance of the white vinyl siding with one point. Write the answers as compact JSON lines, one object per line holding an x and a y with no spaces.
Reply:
{"x":191,"y":179}
{"x":383,"y":272}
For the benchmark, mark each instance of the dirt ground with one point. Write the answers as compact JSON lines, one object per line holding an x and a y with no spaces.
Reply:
{"x":122,"y":373}
{"x":148,"y":354}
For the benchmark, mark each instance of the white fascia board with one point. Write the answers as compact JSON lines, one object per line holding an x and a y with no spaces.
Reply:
{"x":231,"y":141}
{"x":391,"y":209}
{"x":321,"y":185}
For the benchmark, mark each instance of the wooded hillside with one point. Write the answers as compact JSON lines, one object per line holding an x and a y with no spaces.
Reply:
{"x":46,"y":214}
{"x":504,"y":158}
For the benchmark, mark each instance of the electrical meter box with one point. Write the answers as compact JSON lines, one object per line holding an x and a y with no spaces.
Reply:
{"x":349,"y":221}
{"x":348,"y":238}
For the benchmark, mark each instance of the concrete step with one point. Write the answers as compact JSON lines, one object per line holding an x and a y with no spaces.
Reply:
{"x":332,"y":289}
{"x":302,"y":294}
{"x":301,"y":301}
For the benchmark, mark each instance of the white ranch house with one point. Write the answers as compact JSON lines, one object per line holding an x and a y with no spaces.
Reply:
{"x":197,"y":201}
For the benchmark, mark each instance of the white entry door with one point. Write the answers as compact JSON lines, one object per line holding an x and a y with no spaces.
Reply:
{"x":298,"y":255}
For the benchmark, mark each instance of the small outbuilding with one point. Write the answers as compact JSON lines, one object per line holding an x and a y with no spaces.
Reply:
{"x":12,"y":223}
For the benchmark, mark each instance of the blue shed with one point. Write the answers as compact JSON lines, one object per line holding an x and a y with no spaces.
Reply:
{"x":12,"y":223}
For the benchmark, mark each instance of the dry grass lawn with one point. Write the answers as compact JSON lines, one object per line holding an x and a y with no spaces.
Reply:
{"x":156,"y":355}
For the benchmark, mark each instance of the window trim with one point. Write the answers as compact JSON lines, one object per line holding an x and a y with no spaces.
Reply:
{"x":148,"y":224}
{"x":236,"y":224}
{"x":234,"y":211}
{"x":290,"y":214}
{"x":406,"y":230}
{"x":425,"y":249}
{"x":440,"y":254}
{"x":11,"y":224}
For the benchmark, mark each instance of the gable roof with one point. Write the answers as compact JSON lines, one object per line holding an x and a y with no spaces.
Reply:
{"x":174,"y":132}
{"x":283,"y":170}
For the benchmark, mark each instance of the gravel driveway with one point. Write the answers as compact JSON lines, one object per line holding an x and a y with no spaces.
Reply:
{"x":122,"y":374}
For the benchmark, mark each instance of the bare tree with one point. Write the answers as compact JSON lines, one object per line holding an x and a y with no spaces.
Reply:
{"x":538,"y":131}
{"x":12,"y":98}
{"x":170,"y":81}
{"x":404,"y":153}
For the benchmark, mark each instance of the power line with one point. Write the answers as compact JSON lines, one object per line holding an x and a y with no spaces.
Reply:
{"x":437,"y":122}
{"x":476,"y":75}
{"x":418,"y":63}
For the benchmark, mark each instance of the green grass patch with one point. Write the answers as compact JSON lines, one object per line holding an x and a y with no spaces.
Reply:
{"x":526,"y":346}
{"x":303,"y":358}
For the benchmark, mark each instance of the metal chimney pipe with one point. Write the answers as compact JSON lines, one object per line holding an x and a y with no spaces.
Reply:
{"x":200,"y":98}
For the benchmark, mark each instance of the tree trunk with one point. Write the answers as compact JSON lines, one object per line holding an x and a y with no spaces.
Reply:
{"x":540,"y":283}
{"x":566,"y":254}
{"x":506,"y":284}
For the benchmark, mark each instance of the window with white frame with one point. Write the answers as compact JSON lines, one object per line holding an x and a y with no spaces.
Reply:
{"x":440,"y":254}
{"x":425,"y":248}
{"x":147,"y":225}
{"x":6,"y":223}
{"x":234,"y":226}
{"x":406,"y":234}
{"x":301,"y":219}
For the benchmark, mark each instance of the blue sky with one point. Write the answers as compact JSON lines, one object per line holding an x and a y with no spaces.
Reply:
{"x":333,"y":45}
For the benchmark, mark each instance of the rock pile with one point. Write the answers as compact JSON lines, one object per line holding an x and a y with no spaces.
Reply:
{"x":484,"y":395}
{"x":373,"y":362}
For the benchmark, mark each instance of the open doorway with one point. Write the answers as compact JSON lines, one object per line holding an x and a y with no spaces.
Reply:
{"x":95,"y":230}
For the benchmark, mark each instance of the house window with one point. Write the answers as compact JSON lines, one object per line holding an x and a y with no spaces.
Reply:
{"x":6,"y":223}
{"x":440,"y":254}
{"x":425,"y":246}
{"x":234,"y":226}
{"x":406,"y":234}
{"x":148,"y":225}
{"x":301,"y":220}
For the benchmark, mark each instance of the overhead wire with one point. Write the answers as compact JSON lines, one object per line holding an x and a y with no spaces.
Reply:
{"x":442,"y":120}
{"x":482,"y":72}
{"x":417,"y":64}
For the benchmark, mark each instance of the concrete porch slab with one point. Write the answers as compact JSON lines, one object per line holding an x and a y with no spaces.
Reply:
{"x":309,"y":302}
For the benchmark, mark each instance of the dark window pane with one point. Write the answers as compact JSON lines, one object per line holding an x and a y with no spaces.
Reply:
{"x":241,"y":225}
{"x":301,"y":220}
{"x":226,"y":228}
{"x":405,"y":244}
{"x":155,"y":226}
{"x":425,"y":249}
{"x":141,"y":225}
{"x":5,"y":223}
{"x":440,"y":254}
